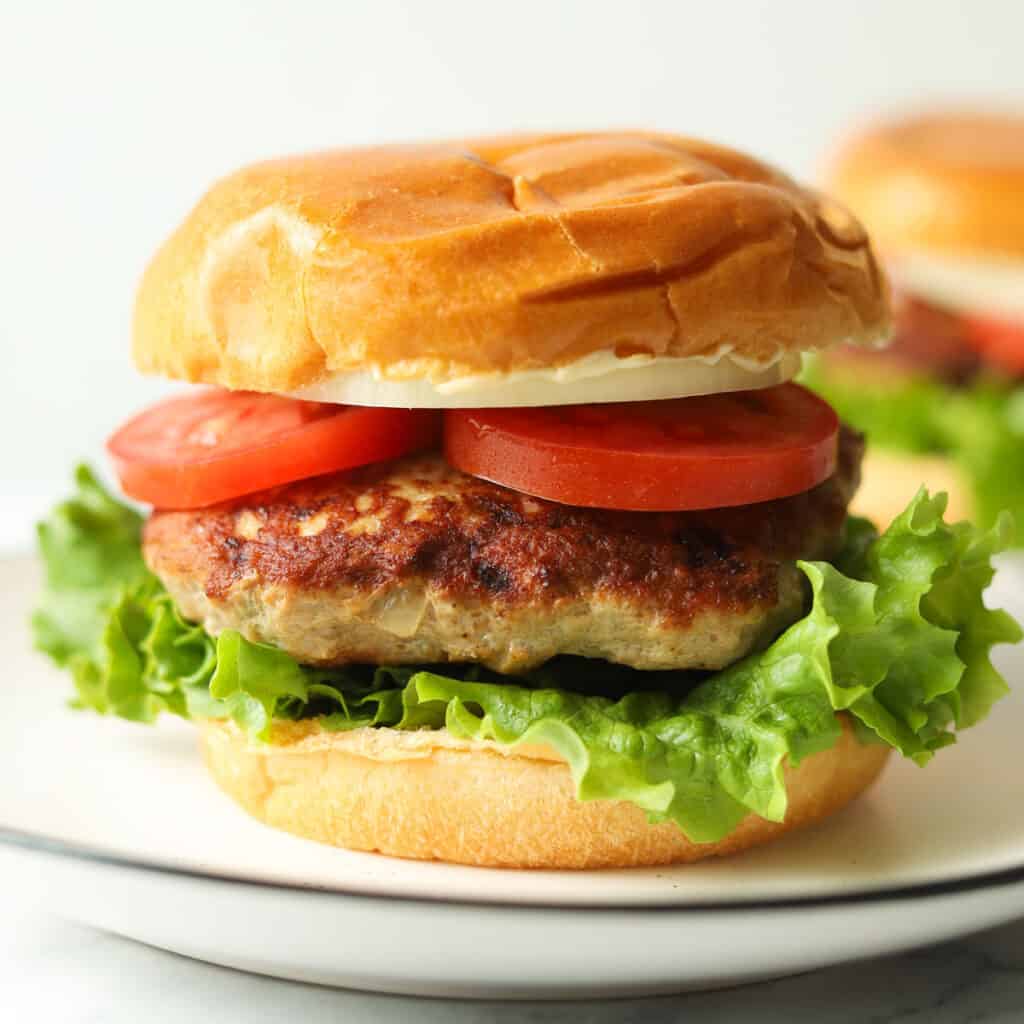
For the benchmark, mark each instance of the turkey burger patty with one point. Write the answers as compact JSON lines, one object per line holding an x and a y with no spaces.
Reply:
{"x":412,"y":561}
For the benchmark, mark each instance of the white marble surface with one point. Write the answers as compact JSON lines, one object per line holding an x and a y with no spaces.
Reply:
{"x":52,"y":971}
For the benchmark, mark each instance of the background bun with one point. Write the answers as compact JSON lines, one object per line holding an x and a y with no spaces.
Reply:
{"x":426,"y":795}
{"x":889,"y":480}
{"x":441,"y":262}
{"x":946,"y":181}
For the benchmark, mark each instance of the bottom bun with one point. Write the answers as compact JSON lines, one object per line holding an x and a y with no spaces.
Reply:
{"x":428,"y":796}
{"x":890,"y":479}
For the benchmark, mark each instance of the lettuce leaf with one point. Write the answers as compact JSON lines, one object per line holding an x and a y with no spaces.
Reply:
{"x":980,"y":427}
{"x":897,"y":635}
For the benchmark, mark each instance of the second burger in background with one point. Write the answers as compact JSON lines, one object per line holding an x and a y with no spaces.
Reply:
{"x":943,"y":197}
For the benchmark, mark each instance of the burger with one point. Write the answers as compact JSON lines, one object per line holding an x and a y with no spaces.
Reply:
{"x":499,"y":532}
{"x":943,"y":196}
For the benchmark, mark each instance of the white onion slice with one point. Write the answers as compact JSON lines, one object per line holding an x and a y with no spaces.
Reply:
{"x":964,"y":284}
{"x":601,"y":377}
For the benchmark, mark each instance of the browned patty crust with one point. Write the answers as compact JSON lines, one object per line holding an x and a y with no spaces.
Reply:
{"x":413,"y":561}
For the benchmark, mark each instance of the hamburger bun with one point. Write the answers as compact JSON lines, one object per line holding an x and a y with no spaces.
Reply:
{"x":407,"y":275}
{"x":889,"y":479}
{"x":945,"y":182}
{"x":429,"y":796}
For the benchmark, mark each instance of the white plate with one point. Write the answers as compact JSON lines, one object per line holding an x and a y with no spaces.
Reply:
{"x":115,"y":825}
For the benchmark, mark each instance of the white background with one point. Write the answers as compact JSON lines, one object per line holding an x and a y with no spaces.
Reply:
{"x":114,"y":117}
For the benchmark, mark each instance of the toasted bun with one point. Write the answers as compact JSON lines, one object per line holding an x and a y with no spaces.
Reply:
{"x":452,"y":261}
{"x":890,"y":479}
{"x":951,"y":182}
{"x":429,"y":796}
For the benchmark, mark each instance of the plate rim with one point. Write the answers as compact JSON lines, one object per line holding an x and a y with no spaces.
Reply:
{"x":55,"y":846}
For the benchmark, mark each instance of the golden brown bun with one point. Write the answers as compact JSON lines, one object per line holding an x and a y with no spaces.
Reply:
{"x":429,"y":796}
{"x":439,"y":261}
{"x":890,"y":479}
{"x":945,"y":181}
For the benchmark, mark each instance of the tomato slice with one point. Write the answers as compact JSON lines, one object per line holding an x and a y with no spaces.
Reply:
{"x":684,"y":453}
{"x":211,"y":446}
{"x":1001,"y":342}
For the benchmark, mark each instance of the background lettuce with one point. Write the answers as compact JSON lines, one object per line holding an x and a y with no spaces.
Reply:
{"x":897,"y":634}
{"x":980,"y":427}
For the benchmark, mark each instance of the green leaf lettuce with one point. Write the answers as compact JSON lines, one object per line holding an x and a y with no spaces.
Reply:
{"x":979,"y":427}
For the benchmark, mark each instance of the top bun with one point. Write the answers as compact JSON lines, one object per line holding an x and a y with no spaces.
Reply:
{"x":442,"y":262}
{"x":951,"y":182}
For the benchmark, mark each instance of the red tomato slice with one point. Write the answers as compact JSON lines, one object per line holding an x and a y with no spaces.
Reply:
{"x":685,"y":453}
{"x":211,"y":446}
{"x":1001,"y":342}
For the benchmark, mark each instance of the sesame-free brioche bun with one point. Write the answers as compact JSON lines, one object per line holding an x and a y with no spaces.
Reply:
{"x":429,"y":796}
{"x":950,"y":182}
{"x":890,"y":479}
{"x":434,"y":265}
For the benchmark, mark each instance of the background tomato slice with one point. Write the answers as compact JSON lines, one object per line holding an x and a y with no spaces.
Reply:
{"x":686,"y":453}
{"x":210,"y":446}
{"x":1001,"y":342}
